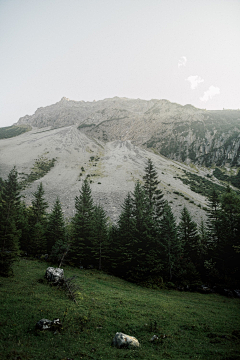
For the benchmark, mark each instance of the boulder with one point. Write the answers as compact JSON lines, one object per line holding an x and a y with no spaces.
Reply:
{"x":54,"y":275}
{"x":154,"y":338}
{"x":45,"y":324}
{"x":121,"y":340}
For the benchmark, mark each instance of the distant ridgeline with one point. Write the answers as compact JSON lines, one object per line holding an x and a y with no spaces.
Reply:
{"x":14,"y":130}
{"x":182,"y":133}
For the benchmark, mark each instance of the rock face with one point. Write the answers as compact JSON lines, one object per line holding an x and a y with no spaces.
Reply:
{"x":121,"y":340}
{"x":182,"y":133}
{"x":54,"y":275}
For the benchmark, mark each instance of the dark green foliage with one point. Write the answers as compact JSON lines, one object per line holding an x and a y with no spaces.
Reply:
{"x":14,"y":130}
{"x":9,"y":232}
{"x":188,"y":235}
{"x":170,"y":245}
{"x":81,"y":246}
{"x":121,"y":239}
{"x":224,"y":229}
{"x":38,"y":223}
{"x":234,"y":179}
{"x":99,"y":237}
{"x":56,"y":233}
{"x":153,"y":194}
{"x":190,"y":247}
{"x":24,"y":224}
{"x":200,"y":184}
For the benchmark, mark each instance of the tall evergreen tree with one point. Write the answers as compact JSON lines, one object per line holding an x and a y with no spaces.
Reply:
{"x":38,"y":223}
{"x":9,"y":233}
{"x":144,"y":257}
{"x":213,"y":222}
{"x":171,"y":248}
{"x":55,"y":227}
{"x":23,"y":223}
{"x":188,"y":235}
{"x":225,"y":256}
{"x":190,"y":248}
{"x":121,"y":239}
{"x":153,"y":194}
{"x":99,"y":237}
{"x":81,"y":247}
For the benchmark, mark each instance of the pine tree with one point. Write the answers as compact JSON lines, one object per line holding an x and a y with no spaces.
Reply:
{"x":39,"y":206}
{"x":38,"y":223}
{"x":171,"y":248}
{"x":122,"y":239}
{"x":188,"y":235}
{"x":23,"y":223}
{"x":227,"y":260}
{"x":144,"y":258}
{"x":213,"y":222}
{"x":99,"y":237}
{"x":153,"y":194}
{"x":9,"y":233}
{"x":55,"y":227}
{"x":190,"y":247}
{"x":81,"y":247}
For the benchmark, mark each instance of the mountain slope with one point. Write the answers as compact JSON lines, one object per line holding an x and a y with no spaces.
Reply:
{"x":182,"y":133}
{"x":113,"y":168}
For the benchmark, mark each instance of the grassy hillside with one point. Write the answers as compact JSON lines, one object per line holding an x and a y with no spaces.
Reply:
{"x":14,"y":130}
{"x":189,"y":325}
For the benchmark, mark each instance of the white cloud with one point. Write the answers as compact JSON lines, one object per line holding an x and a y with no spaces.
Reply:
{"x":212,"y":91}
{"x":194,"y":81}
{"x":182,"y":61}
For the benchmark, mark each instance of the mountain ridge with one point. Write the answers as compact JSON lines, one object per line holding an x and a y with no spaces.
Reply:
{"x":180,"y":132}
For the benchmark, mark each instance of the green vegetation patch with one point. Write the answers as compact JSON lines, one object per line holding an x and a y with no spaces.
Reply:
{"x":234,"y":179}
{"x":40,"y":168}
{"x":85,"y":125}
{"x":200,"y":184}
{"x":14,"y":130}
{"x":188,"y":325}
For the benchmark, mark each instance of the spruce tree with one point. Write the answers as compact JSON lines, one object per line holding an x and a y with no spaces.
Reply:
{"x":23,"y":223}
{"x":153,"y":194}
{"x":81,"y":247}
{"x":188,"y":235}
{"x":99,"y":237}
{"x":213,"y":222}
{"x":170,"y":245}
{"x":38,"y":223}
{"x":190,"y":248}
{"x":122,"y":239}
{"x":9,"y":233}
{"x":144,"y":257}
{"x":226,"y":259}
{"x":55,"y":227}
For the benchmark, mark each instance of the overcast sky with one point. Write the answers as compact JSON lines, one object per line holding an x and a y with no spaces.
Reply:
{"x":185,"y":51}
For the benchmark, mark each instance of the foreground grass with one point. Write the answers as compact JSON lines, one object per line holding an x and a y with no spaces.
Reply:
{"x":189,"y":325}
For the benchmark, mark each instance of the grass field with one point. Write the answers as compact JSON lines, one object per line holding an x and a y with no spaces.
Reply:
{"x":189,"y":325}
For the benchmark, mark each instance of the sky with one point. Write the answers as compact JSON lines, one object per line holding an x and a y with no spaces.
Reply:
{"x":184,"y":51}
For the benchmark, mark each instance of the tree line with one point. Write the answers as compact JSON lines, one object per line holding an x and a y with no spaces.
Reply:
{"x":146,"y":245}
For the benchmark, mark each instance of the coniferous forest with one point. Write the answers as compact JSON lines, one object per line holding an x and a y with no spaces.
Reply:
{"x":146,"y":245}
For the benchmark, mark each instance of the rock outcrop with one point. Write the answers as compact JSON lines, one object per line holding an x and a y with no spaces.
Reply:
{"x":54,"y":275}
{"x":121,"y":340}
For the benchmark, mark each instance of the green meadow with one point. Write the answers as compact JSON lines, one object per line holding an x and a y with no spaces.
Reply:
{"x":189,"y":325}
